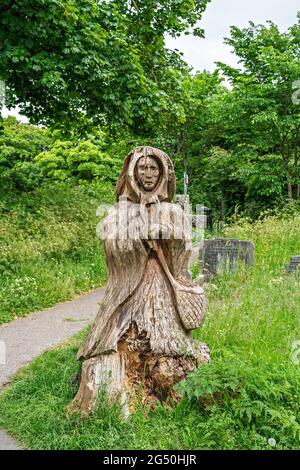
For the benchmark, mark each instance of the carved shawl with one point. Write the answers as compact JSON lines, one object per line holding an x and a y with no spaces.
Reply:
{"x":127,"y":258}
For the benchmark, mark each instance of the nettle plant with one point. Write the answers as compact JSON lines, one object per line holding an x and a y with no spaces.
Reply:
{"x":257,"y":402}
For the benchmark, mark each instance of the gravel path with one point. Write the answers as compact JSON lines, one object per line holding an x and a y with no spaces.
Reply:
{"x":26,"y":338}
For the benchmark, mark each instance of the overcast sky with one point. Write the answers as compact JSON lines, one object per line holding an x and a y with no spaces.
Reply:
{"x":216,"y":21}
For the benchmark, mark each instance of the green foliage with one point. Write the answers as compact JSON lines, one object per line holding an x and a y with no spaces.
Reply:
{"x":75,"y":61}
{"x":82,"y":160}
{"x":49,"y":251}
{"x":19,"y":144}
{"x":259,"y":110}
{"x":220,"y":187}
{"x":31,"y":156}
{"x":254,"y":401}
{"x":240,"y":146}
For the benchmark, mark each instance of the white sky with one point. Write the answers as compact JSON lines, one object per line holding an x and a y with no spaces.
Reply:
{"x":217,"y":19}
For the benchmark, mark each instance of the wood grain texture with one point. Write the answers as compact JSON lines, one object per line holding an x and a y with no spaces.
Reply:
{"x":140,"y":344}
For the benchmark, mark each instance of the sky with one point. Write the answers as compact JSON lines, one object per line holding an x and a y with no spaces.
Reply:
{"x":216,"y":21}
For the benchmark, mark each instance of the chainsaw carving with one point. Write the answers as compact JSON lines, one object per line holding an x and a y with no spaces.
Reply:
{"x":140,"y":344}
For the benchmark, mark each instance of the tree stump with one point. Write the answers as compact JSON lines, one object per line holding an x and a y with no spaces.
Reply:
{"x":140,"y":344}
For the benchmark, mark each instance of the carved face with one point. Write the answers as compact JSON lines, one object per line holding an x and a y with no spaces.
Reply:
{"x":148,"y":173}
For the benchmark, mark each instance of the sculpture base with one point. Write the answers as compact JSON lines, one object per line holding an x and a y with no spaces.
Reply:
{"x":134,"y":374}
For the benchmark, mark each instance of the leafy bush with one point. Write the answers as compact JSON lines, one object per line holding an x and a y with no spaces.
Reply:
{"x":19,"y":144}
{"x":255,"y":402}
{"x":31,"y":156}
{"x":77,"y":160}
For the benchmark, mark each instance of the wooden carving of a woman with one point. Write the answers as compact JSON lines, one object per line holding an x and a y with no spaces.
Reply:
{"x":140,"y":343}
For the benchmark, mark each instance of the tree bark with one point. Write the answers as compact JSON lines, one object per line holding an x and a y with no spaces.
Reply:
{"x":290,"y":191}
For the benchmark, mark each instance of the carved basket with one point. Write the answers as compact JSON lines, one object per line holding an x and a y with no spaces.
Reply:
{"x":191,"y":304}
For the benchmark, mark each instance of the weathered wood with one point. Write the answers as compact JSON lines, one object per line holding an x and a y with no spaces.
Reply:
{"x":140,"y":344}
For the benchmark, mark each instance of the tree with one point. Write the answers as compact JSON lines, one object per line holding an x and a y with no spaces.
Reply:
{"x":260,"y":111}
{"x":186,"y":137}
{"x":70,"y":60}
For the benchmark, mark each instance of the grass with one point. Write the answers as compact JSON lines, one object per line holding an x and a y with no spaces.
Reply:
{"x":257,"y":311}
{"x":247,"y":395}
{"x":49,"y":251}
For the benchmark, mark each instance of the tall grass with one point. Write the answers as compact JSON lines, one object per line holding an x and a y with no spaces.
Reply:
{"x":49,"y":251}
